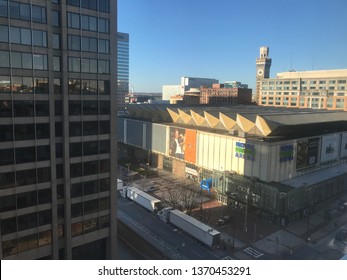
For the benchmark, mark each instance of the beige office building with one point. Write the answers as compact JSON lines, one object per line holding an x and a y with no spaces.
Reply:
{"x":320,"y":89}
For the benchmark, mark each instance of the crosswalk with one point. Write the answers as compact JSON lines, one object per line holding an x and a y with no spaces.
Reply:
{"x":253,"y":252}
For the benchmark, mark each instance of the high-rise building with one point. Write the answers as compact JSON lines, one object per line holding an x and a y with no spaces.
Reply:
{"x":122,"y":67}
{"x":58,"y":104}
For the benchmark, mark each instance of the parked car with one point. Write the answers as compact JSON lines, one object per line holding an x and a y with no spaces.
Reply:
{"x":152,"y":189}
{"x":341,"y":235}
{"x":225,"y":220}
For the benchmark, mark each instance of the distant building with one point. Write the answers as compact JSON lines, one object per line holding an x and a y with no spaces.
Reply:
{"x":192,"y":96}
{"x":171,"y":90}
{"x":323,"y":89}
{"x":316,"y":89}
{"x":122,"y":67}
{"x":186,"y":84}
{"x":221,"y":94}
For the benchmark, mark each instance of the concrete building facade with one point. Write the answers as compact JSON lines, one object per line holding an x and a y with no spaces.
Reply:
{"x":320,"y":89}
{"x":58,"y":103}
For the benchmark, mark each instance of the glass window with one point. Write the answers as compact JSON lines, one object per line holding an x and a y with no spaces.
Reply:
{"x":43,"y":153}
{"x":55,"y":18}
{"x":7,"y":180}
{"x":104,"y":166}
{"x":104,"y":6}
{"x":103,"y":25}
{"x":24,"y":11}
{"x":75,"y":129}
{"x":26,"y":177}
{"x":105,"y":185}
{"x":40,"y":61}
{"x":5,"y":84}
{"x":104,"y":203}
{"x":93,"y":46}
{"x":73,"y":20}
{"x":45,"y":217}
{"x":90,"y":225}
{"x":27,"y":221}
{"x":5,"y":109}
{"x":3,"y":8}
{"x":25,"y":155}
{"x":85,"y":22}
{"x":3,"y":33}
{"x":75,"y":108}
{"x":7,"y":203}
{"x":74,"y":43}
{"x":104,"y":146}
{"x":8,"y":226}
{"x":76,"y":149}
{"x":57,"y":86}
{"x":90,"y":148}
{"x":42,"y":130}
{"x":43,"y":174}
{"x":104,"y":108}
{"x":27,"y":61}
{"x":41,"y":84}
{"x":93,"y":64}
{"x":90,"y":108}
{"x":76,"y":209}
{"x":91,"y":206}
{"x":39,"y":14}
{"x":58,"y":108}
{"x":76,"y":228}
{"x":59,"y":171}
{"x":104,"y":221}
{"x":93,"y":26}
{"x":103,"y":46}
{"x":85,"y":44}
{"x":42,"y":108}
{"x":104,"y":67}
{"x":23,"y":108}
{"x":56,"y":41}
{"x":39,"y":38}
{"x":26,"y":36}
{"x":45,"y":238}
{"x":24,"y":132}
{"x":58,"y":150}
{"x":76,"y":190}
{"x":76,"y":170}
{"x":6,"y":157}
{"x":90,"y":128}
{"x":56,"y":63}
{"x":104,"y":127}
{"x":73,"y":2}
{"x":14,"y":10}
{"x":15,"y":35}
{"x":75,"y":65}
{"x":26,"y":199}
{"x":58,"y":129}
{"x":85,"y":65}
{"x":4,"y":59}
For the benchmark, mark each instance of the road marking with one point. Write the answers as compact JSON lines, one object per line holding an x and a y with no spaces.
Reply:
{"x":253,"y":252}
{"x":196,"y":253}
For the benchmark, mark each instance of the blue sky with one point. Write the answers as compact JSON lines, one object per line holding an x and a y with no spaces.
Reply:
{"x":221,"y":38}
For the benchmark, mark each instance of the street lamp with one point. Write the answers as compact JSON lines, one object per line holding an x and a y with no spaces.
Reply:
{"x":246,"y":212}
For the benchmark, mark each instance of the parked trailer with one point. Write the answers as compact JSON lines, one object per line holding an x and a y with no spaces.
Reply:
{"x":195,"y":228}
{"x":145,"y":200}
{"x":120,"y":184}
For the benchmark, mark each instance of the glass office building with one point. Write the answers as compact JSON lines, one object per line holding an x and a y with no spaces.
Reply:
{"x":57,"y":140}
{"x":122,"y":67}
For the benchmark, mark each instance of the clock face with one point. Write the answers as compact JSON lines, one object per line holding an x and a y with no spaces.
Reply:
{"x":260,"y":72}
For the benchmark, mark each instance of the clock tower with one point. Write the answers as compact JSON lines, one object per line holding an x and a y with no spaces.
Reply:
{"x":262,"y":70}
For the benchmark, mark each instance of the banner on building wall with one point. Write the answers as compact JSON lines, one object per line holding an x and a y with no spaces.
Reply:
{"x":245,"y":151}
{"x":344,"y":145}
{"x":286,"y":153}
{"x":177,"y":142}
{"x":307,"y":152}
{"x":330,"y":148}
{"x":190,"y":146}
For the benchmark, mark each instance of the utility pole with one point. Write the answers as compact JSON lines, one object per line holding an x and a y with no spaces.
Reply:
{"x":246,"y":212}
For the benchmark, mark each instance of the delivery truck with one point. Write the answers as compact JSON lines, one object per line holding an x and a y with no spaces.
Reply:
{"x":200,"y":231}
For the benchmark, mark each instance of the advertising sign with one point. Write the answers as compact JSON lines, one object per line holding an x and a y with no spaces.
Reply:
{"x":177,"y":142}
{"x":330,"y":147}
{"x":307,"y":152}
{"x":344,"y":145}
{"x":190,"y":146}
{"x":286,"y":152}
{"x":245,"y":151}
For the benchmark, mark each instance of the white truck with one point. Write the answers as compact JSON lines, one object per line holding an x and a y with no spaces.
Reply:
{"x":120,"y":184}
{"x":190,"y":225}
{"x":145,"y":200}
